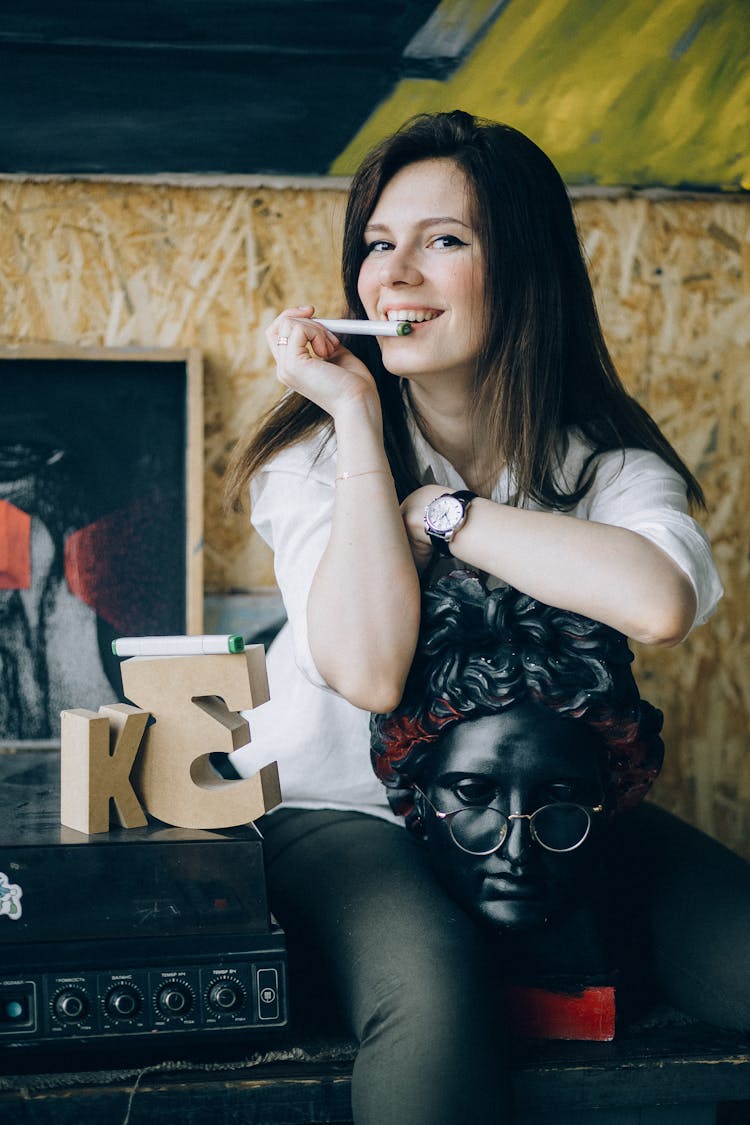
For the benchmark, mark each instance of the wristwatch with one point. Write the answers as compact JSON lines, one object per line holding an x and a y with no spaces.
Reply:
{"x":444,"y":515}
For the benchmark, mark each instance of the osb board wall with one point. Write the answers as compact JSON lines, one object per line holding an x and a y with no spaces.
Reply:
{"x":161,"y":265}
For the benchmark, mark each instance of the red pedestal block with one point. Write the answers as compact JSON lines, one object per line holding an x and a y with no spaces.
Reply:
{"x":540,"y":1013}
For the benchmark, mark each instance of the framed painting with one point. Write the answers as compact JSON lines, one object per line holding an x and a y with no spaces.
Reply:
{"x":101,"y":499}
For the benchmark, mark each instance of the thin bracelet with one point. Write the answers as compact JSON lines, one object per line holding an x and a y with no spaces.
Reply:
{"x":365,"y":473}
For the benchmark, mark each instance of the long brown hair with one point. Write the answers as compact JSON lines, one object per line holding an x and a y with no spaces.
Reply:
{"x":544,"y":366}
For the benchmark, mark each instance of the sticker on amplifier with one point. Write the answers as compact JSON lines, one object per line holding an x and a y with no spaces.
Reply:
{"x":10,"y":898}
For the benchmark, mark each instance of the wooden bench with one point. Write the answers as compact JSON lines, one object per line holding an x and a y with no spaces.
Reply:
{"x":664,"y":1071}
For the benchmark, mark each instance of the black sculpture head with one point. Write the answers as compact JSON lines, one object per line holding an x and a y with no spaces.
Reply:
{"x":520,"y":732}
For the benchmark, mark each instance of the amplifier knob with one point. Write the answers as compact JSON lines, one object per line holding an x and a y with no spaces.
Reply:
{"x":174,"y":999}
{"x":226,"y":995}
{"x":123,"y":1002}
{"x":71,"y":1004}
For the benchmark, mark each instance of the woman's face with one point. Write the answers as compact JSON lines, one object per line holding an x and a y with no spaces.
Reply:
{"x":423,"y":263}
{"x":517,"y":761}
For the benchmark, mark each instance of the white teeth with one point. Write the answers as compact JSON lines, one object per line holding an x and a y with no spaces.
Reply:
{"x":412,"y":315}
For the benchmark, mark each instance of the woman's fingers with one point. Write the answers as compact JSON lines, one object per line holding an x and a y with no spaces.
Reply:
{"x":306,"y":357}
{"x":311,"y":361}
{"x":293,"y":331}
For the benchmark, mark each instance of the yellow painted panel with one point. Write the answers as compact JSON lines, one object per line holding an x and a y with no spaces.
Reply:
{"x":616,"y":91}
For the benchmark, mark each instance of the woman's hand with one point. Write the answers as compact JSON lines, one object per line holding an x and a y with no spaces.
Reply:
{"x":412,"y":511}
{"x":315,"y":364}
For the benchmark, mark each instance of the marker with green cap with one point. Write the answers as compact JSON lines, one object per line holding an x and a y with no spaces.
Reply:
{"x":206,"y":645}
{"x":367,"y":327}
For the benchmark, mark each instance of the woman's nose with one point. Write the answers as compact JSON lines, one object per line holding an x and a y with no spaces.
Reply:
{"x":399,"y":267}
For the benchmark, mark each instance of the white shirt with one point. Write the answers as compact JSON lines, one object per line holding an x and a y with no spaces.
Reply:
{"x":320,"y":741}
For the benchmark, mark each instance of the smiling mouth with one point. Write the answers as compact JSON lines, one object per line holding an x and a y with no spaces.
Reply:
{"x":414,"y":316}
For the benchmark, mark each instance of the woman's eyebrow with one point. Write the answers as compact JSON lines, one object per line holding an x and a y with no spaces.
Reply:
{"x":432,"y":221}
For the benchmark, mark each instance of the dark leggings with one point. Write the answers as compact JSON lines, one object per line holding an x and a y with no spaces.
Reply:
{"x":371,"y":932}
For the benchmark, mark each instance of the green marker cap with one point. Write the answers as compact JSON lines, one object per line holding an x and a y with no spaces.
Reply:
{"x":236,"y":643}
{"x":404,"y":328}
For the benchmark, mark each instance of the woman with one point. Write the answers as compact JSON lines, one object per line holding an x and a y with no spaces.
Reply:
{"x":505,"y":394}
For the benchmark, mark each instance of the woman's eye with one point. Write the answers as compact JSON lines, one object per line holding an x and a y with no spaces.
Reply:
{"x":445,"y":241}
{"x":378,"y":246}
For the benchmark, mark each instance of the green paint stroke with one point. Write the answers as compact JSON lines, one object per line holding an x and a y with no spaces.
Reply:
{"x":618,"y":92}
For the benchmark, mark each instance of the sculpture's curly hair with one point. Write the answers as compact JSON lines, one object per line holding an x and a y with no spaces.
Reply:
{"x":481,"y":652}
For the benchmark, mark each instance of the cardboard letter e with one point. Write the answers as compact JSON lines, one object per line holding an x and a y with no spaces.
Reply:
{"x":195,"y":700}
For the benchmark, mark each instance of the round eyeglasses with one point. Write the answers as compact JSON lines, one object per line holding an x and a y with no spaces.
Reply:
{"x":482,"y":829}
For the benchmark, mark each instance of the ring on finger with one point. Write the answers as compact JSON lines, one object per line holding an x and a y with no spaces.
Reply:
{"x":282,"y":341}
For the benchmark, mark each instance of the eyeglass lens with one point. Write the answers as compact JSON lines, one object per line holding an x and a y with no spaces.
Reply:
{"x":478,"y":830}
{"x":559,"y":827}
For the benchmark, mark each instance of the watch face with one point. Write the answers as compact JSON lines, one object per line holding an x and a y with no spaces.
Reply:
{"x":445,"y":513}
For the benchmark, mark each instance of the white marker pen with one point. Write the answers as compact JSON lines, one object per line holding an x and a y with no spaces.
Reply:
{"x":367,"y":327}
{"x":211,"y":645}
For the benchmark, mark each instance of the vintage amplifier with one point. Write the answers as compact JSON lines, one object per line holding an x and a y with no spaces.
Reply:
{"x":138,"y":936}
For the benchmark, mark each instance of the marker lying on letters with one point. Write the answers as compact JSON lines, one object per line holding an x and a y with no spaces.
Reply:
{"x":210,"y":645}
{"x":367,"y":327}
